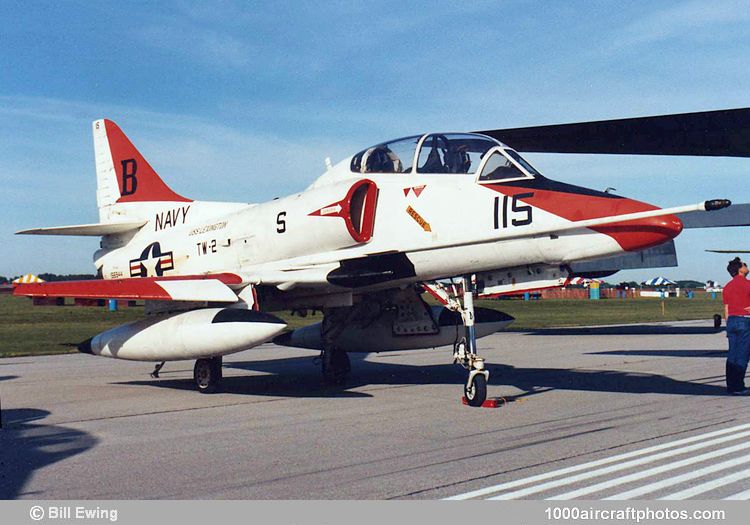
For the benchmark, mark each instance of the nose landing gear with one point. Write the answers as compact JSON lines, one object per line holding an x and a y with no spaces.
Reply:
{"x":465,"y":350}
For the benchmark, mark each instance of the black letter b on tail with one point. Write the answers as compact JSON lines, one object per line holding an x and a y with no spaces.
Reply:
{"x":129,"y":182}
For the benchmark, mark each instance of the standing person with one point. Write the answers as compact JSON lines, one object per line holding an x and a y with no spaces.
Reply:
{"x":736,"y":298}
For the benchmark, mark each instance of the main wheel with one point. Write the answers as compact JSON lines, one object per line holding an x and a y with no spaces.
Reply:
{"x":476,"y":392}
{"x":207,"y":375}
{"x":336,"y":366}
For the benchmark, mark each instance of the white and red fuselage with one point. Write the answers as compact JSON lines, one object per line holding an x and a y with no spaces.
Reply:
{"x":364,"y":231}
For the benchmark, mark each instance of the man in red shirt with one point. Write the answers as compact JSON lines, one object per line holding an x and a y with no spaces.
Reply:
{"x":737,"y":313}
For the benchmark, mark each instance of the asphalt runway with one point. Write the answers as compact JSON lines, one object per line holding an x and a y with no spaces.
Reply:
{"x":624,"y":412}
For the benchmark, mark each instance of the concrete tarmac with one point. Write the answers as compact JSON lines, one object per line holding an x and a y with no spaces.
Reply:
{"x":632,"y":411}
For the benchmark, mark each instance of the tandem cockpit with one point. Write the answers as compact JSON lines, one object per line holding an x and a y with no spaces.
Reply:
{"x":445,"y":153}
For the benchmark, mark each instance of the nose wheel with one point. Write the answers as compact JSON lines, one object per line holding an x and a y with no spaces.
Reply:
{"x":475,"y":389}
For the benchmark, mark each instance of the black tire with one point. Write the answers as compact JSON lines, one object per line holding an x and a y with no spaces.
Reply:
{"x":207,"y":375}
{"x":336,"y":366}
{"x":476,"y":394}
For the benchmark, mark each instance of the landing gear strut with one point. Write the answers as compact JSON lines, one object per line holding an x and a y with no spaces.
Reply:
{"x":157,"y":369}
{"x":335,"y":361}
{"x":465,"y":350}
{"x":207,"y":375}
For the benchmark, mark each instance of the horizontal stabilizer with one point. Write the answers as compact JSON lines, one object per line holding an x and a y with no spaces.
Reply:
{"x":735,"y":215}
{"x":183,"y":288}
{"x":91,"y":230}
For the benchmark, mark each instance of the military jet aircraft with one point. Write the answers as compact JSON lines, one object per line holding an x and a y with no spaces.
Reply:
{"x":367,"y":238}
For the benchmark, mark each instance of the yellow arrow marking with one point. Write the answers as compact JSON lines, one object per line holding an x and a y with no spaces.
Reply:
{"x":419,"y":219}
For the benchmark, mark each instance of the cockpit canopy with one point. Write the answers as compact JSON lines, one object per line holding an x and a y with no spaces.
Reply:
{"x":396,"y":156}
{"x":444,"y":153}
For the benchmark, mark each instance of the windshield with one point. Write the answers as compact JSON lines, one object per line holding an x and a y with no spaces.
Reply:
{"x":499,"y":166}
{"x":452,"y":153}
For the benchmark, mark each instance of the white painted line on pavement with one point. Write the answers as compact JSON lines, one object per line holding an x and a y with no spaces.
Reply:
{"x":744,"y":495}
{"x":650,"y":472}
{"x":596,"y":463}
{"x":709,"y":485}
{"x":675,"y":480}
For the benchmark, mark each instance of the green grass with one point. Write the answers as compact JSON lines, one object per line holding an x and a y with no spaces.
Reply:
{"x":565,"y":312}
{"x":27,"y":329}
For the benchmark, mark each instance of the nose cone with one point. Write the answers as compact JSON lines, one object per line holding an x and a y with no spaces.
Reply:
{"x":643,"y":233}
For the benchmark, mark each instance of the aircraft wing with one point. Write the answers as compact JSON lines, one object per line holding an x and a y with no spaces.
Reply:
{"x":723,"y":133}
{"x":183,"y":288}
{"x":662,"y":256}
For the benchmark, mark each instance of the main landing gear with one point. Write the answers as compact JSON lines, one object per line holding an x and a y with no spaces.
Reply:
{"x":334,"y":359}
{"x":465,"y":349}
{"x":207,"y":375}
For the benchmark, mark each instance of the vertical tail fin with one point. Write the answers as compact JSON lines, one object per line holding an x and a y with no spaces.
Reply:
{"x":122,"y":174}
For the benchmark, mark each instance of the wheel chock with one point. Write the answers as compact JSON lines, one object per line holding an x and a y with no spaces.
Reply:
{"x":493,"y":402}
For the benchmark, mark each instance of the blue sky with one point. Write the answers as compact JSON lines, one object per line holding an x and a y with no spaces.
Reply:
{"x":243,"y":101}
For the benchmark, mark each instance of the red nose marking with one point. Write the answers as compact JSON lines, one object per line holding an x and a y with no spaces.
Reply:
{"x":643,"y":233}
